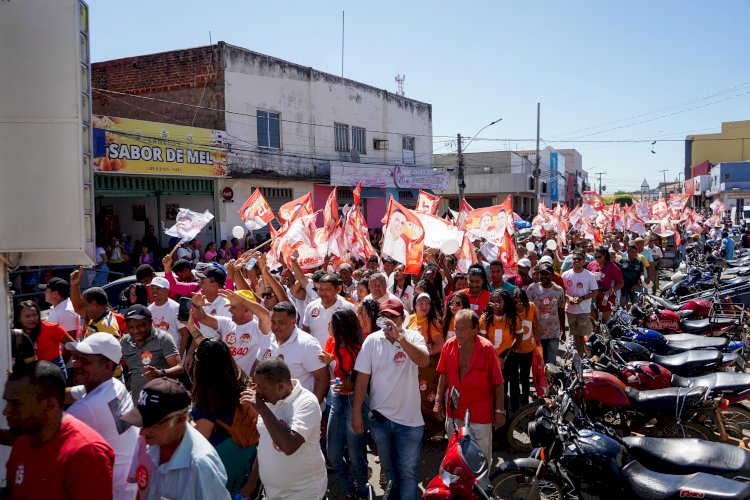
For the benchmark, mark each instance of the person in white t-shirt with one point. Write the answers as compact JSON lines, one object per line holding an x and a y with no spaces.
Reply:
{"x":290,"y":462}
{"x":389,"y":362}
{"x":378,"y":289}
{"x":102,"y":400}
{"x":298,"y":349}
{"x":403,"y":288}
{"x":164,"y":312}
{"x":212,"y":279}
{"x":245,"y":332}
{"x":318,"y":313}
{"x":57,"y":294}
{"x":580,"y":288}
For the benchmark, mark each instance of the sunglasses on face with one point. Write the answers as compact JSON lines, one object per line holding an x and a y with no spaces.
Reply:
{"x":266,"y":295}
{"x":451,"y":303}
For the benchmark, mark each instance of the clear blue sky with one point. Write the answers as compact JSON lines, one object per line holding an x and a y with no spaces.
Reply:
{"x":589,"y":63}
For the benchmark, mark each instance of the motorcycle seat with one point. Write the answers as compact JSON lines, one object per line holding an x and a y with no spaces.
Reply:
{"x":666,"y":304}
{"x":686,"y":361}
{"x":689,"y":341}
{"x":686,"y":456}
{"x":741,"y":262}
{"x":699,"y":325}
{"x":734,"y":281}
{"x":645,"y":483}
{"x":665,"y":399}
{"x":719,"y":382}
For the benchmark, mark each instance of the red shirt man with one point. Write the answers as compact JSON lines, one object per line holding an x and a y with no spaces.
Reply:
{"x":469,"y":363}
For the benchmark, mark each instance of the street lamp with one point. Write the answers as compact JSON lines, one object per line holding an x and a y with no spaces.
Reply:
{"x":461,"y":182}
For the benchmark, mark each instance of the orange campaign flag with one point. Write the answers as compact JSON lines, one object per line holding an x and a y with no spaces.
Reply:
{"x":403,"y":237}
{"x":427,"y":203}
{"x":491,"y":223}
{"x":256,"y":212}
{"x":357,"y":193}
{"x":331,"y":213}
{"x":356,"y":237}
{"x":296,"y":208}
{"x":463,"y":214}
{"x":466,"y":255}
{"x":593,"y":199}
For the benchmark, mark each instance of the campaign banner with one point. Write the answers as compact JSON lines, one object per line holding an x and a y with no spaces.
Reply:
{"x":256,"y":213}
{"x":125,"y":146}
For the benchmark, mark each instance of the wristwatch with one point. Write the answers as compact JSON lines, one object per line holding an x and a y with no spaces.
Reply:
{"x":501,"y":412}
{"x":400,"y":337}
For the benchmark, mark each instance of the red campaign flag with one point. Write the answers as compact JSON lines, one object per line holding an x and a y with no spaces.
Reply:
{"x":593,"y":199}
{"x":300,"y":232}
{"x":678,"y":202}
{"x":659,"y":209}
{"x":491,"y":223}
{"x":357,"y":193}
{"x":296,"y":208}
{"x":331,"y":213}
{"x":356,"y":236}
{"x":403,"y":238}
{"x":466,"y":255}
{"x":427,"y":203}
{"x":718,"y":207}
{"x":256,"y":212}
{"x":463,"y":214}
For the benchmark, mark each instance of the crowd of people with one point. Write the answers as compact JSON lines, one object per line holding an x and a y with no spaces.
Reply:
{"x":271,"y":376}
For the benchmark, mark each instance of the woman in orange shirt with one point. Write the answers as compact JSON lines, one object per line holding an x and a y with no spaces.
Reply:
{"x":458,"y":301}
{"x":46,"y":336}
{"x":498,"y":323}
{"x":425,"y":321}
{"x":519,"y":360}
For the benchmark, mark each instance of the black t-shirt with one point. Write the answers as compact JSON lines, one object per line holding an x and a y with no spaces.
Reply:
{"x":631,"y":272}
{"x":21,"y":347}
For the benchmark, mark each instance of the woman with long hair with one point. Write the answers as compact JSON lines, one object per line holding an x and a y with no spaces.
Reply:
{"x":458,"y":301}
{"x":217,"y":384}
{"x":367,"y":312}
{"x":47,"y":337}
{"x":498,"y":324}
{"x":402,"y":288}
{"x":137,"y":294}
{"x":425,"y":320}
{"x":363,"y":287}
{"x":209,"y":254}
{"x":519,"y":361}
{"x":428,"y":287}
{"x":340,"y":355}
{"x":223,"y":255}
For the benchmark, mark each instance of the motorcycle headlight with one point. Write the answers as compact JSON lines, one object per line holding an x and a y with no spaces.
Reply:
{"x":447,"y":477}
{"x":542,"y":432}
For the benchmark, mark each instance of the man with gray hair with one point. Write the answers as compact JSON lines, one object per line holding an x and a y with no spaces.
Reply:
{"x":289,"y":425}
{"x":378,"y":289}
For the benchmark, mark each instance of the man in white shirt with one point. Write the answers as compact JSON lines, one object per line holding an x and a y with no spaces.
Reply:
{"x":245,"y":332}
{"x":102,"y":400}
{"x":580,"y":288}
{"x":290,"y":463}
{"x":164,"y":312}
{"x":378,"y":289}
{"x":318,"y":313}
{"x":389,"y":362}
{"x":57,"y":294}
{"x":298,"y":349}
{"x":212,"y":280}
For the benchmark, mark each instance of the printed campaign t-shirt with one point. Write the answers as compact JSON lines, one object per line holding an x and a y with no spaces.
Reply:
{"x":578,"y":285}
{"x":498,"y":332}
{"x":165,"y":318}
{"x":244,"y":340}
{"x":316,"y":317}
{"x":526,"y":341}
{"x":299,"y":352}
{"x":217,"y":308}
{"x":549,"y":301}
{"x":154,"y":352}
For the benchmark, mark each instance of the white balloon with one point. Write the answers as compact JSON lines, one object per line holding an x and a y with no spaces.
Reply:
{"x":530,"y":246}
{"x":552,"y":245}
{"x":238,"y":232}
{"x":449,"y":247}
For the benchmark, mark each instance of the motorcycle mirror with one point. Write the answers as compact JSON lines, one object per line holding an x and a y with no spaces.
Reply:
{"x":455,"y":397}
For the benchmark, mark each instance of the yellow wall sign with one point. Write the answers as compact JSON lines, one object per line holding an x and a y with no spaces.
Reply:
{"x":125,"y":146}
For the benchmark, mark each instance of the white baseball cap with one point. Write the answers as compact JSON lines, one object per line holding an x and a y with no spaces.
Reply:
{"x":546,"y":258}
{"x":99,"y":343}
{"x":160,"y":282}
{"x":524,"y":262}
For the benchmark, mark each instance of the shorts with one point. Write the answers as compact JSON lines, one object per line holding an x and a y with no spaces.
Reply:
{"x":580,"y":324}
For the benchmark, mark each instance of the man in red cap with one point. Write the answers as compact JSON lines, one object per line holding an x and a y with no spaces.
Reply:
{"x":389,"y":362}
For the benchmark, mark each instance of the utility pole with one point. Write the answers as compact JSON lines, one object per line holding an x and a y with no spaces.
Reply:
{"x":664,"y":189}
{"x":461,"y":183}
{"x":600,"y":180}
{"x":537,"y":172}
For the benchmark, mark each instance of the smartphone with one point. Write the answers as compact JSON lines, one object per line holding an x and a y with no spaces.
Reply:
{"x":251,"y":263}
{"x":183,"y":313}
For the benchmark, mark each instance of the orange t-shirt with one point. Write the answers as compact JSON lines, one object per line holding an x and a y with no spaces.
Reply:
{"x":526,"y":341}
{"x":498,"y":333}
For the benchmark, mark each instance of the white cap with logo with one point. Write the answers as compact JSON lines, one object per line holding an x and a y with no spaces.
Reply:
{"x":99,"y":343}
{"x":160,"y":282}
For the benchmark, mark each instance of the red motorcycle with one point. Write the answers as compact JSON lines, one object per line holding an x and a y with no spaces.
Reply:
{"x":464,"y":470}
{"x":667,"y":321}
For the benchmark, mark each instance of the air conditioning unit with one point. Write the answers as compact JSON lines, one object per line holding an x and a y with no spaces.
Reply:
{"x":380,"y":144}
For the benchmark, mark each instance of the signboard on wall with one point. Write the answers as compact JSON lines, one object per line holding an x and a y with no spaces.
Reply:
{"x":553,"y":171}
{"x":126,"y":146}
{"x":385,"y":176}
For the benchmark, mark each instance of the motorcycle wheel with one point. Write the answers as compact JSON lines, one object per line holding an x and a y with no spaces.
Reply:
{"x":736,"y":421}
{"x":518,"y":430}
{"x":517,"y":485}
{"x":682,"y":430}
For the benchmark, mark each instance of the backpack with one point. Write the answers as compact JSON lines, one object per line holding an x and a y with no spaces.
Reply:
{"x":244,"y":428}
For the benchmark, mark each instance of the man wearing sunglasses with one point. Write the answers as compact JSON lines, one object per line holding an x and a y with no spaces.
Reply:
{"x":580,"y":288}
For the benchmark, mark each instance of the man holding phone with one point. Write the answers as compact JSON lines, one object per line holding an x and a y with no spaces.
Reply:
{"x":165,"y":312}
{"x":389,"y":362}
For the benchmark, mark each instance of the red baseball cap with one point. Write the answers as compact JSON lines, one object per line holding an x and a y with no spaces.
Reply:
{"x":393,"y":306}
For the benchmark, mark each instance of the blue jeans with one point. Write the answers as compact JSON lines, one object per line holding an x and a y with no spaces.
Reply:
{"x":549,"y":349}
{"x":340,"y":433}
{"x":398,"y":448}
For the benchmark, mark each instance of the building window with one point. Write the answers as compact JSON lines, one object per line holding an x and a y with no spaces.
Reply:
{"x":269,"y":133}
{"x":407,"y":146}
{"x":341,"y":136}
{"x":359,"y":140}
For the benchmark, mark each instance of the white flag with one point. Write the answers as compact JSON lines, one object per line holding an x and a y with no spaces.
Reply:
{"x":189,"y":224}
